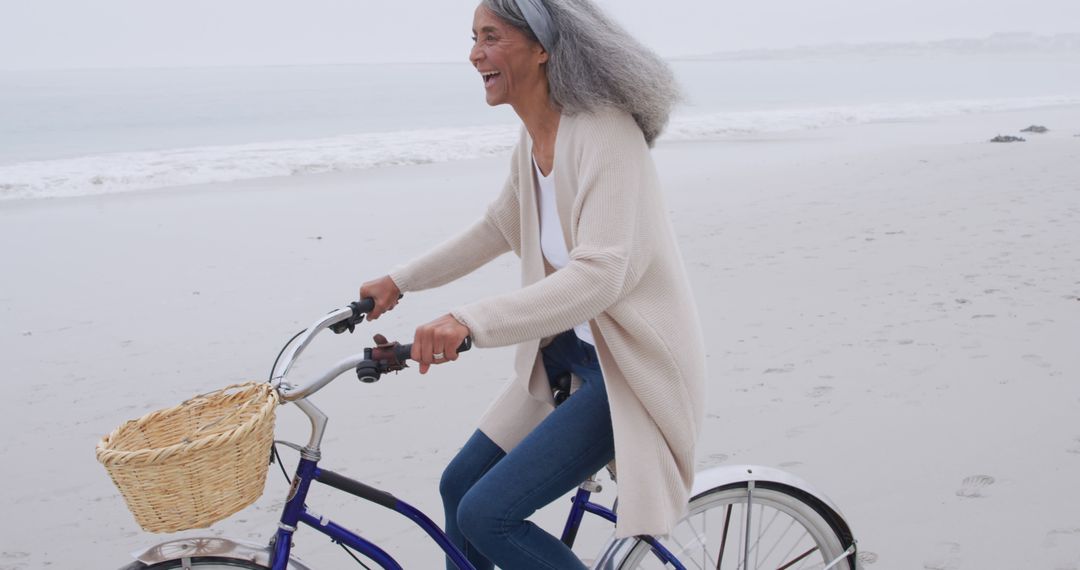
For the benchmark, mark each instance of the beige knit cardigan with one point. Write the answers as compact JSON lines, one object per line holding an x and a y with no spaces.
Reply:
{"x":625,"y":277}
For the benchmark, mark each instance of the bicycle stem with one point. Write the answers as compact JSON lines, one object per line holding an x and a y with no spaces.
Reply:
{"x":319,"y":420}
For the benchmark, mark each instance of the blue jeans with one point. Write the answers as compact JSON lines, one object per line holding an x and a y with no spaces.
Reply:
{"x":487,"y":494}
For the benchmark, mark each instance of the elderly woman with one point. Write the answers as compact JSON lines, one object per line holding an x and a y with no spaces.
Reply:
{"x":605,"y":296}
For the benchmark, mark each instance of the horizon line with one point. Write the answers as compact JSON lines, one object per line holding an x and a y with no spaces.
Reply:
{"x":678,"y":57}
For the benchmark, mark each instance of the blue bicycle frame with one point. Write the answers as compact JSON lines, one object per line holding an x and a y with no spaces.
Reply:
{"x":296,"y":512}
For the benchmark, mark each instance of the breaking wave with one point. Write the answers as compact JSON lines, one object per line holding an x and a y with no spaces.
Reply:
{"x":132,"y":171}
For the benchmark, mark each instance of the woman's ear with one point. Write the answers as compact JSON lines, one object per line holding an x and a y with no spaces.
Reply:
{"x":543,"y":56}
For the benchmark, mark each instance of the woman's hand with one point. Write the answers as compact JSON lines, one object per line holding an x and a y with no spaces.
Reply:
{"x":384,"y":291}
{"x":437,"y":342}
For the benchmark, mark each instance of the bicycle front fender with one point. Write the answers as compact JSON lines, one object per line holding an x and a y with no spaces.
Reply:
{"x":207,"y":547}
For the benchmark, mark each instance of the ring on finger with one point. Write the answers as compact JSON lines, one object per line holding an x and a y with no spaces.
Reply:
{"x":438,"y":356}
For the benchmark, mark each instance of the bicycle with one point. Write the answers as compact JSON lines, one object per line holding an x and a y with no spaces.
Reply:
{"x":780,"y":521}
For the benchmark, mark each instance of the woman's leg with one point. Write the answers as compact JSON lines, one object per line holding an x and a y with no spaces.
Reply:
{"x":571,"y":444}
{"x":474,"y":460}
{"x":480,"y":454}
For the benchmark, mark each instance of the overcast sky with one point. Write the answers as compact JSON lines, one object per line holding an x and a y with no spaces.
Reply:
{"x":124,"y":33}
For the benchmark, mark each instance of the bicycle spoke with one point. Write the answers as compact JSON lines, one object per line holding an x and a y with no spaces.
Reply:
{"x":760,"y":533}
{"x":683,"y":549}
{"x":723,"y":537}
{"x":700,"y":537}
{"x":798,"y":559}
{"x":704,"y":532}
{"x":795,"y":545}
{"x":781,"y":540}
{"x":754,"y":547}
{"x":742,"y":531}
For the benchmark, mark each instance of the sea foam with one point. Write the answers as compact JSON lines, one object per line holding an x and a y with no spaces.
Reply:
{"x":771,"y":121}
{"x":133,"y":171}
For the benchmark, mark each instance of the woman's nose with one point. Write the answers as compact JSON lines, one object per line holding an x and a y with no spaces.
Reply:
{"x":475,"y":54}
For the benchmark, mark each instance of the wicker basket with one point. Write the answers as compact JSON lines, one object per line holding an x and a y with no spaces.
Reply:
{"x":192,"y":465}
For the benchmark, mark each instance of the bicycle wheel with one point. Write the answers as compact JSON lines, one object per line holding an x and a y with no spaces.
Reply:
{"x":788,"y":530}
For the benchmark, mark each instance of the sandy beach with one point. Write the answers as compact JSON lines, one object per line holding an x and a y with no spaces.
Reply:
{"x":891,"y":310}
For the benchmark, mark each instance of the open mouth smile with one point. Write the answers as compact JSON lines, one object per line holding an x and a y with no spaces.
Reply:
{"x":489,"y":77}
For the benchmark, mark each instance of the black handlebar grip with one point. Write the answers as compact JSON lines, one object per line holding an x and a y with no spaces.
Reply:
{"x":404,"y":351}
{"x":363,"y":306}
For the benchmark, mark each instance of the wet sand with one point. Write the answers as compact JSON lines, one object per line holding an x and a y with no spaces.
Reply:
{"x":891,"y":312}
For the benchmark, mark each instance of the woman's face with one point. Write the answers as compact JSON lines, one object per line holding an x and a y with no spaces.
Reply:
{"x":510,"y":63}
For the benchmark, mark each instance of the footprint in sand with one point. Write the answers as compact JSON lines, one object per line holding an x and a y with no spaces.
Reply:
{"x":865,"y":557}
{"x":1064,"y":546}
{"x":946,"y":556}
{"x":1061,"y":535}
{"x":715,"y":459}
{"x":1036,"y":360}
{"x":796,"y":431}
{"x":820,"y":391}
{"x":975,"y":486}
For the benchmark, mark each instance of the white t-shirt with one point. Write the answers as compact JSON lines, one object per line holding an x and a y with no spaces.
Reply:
{"x":552,"y":243}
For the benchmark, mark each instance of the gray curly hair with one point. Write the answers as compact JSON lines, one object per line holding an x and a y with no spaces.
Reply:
{"x":596,"y":63}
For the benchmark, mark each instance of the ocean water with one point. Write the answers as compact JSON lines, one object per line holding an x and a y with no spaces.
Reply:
{"x":74,"y":133}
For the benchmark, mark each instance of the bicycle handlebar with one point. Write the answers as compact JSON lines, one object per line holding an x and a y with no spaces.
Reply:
{"x":370,"y":364}
{"x":389,"y":357}
{"x":340,"y":320}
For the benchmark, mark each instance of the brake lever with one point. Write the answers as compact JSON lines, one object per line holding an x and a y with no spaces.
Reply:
{"x":359,"y":310}
{"x":346,"y":325}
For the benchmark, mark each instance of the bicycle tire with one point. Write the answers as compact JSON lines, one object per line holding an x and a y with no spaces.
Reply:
{"x":776,"y":509}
